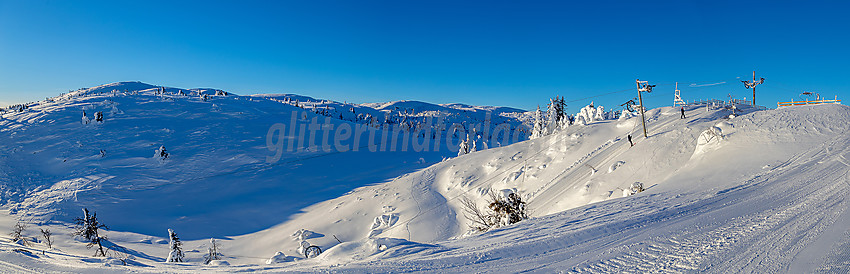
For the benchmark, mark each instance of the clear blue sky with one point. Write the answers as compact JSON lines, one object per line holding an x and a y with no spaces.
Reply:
{"x":511,"y":53}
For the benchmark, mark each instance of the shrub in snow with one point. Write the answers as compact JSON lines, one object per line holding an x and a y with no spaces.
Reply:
{"x":503,"y":209}
{"x":278,"y":257}
{"x":382,"y":222}
{"x":625,"y":115}
{"x":302,"y":234}
{"x":85,"y":120}
{"x":616,"y":165}
{"x":98,"y":117}
{"x":636,"y":187}
{"x":213,"y":252}
{"x":712,"y":135}
{"x":176,"y":253}
{"x":161,"y":153}
{"x":16,"y":234}
{"x":87,"y":228}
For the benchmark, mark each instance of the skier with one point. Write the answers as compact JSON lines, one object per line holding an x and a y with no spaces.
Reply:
{"x":683,"y":112}
{"x":630,"y":141}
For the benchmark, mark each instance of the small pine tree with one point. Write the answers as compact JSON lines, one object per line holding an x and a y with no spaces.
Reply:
{"x":552,"y":116}
{"x":176,"y":253}
{"x":538,"y":129}
{"x":213,"y":253}
{"x":87,"y":227}
{"x":463,"y":147}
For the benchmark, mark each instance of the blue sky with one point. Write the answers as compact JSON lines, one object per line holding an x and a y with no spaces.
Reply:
{"x":511,"y":53}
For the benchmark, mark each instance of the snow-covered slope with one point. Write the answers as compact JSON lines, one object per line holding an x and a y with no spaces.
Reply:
{"x":764,"y":191}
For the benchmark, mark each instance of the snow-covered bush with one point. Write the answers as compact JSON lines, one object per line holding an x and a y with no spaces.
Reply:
{"x":278,"y":257}
{"x":635,"y":188}
{"x":302,"y":234}
{"x":625,"y":115}
{"x":85,"y":120}
{"x":161,"y":153}
{"x":503,"y":209}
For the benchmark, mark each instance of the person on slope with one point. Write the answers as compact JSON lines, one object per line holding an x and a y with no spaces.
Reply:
{"x":630,"y":141}
{"x":683,"y":112}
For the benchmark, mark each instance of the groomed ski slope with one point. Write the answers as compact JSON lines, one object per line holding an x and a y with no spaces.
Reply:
{"x":770,"y":196}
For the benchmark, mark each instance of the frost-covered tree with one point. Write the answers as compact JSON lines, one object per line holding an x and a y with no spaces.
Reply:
{"x":85,"y":120}
{"x":161,"y":153}
{"x":552,"y":116}
{"x":213,"y":252}
{"x":463,"y":147}
{"x":538,"y":129}
{"x":87,"y":227}
{"x":176,"y":253}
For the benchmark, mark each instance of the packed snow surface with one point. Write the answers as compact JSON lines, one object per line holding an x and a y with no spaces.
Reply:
{"x":765,"y":191}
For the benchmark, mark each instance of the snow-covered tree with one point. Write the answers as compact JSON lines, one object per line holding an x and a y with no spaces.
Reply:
{"x":539,"y":128}
{"x":161,"y":153}
{"x":463,"y":147}
{"x":552,"y":116}
{"x":176,"y":253}
{"x":87,"y":227}
{"x":85,"y":120}
{"x":213,"y":252}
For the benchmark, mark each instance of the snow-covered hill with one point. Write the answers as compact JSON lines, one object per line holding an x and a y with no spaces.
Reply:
{"x":761,"y":192}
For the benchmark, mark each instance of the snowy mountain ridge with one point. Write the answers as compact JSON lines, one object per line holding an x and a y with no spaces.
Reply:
{"x":764,"y":191}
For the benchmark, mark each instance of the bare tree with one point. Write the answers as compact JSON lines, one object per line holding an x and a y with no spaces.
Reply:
{"x":47,"y":240}
{"x":17,"y":232}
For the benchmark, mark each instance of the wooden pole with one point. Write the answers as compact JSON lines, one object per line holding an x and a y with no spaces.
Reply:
{"x":754,"y":88}
{"x":642,"y":108}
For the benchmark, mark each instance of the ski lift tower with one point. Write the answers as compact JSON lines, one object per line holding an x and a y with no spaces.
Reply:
{"x":677,"y":100}
{"x":641,"y":88}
